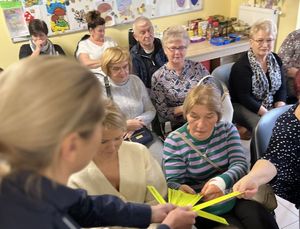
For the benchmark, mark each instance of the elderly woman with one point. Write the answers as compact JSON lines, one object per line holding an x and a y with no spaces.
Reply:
{"x":130,"y":94}
{"x":114,"y":169}
{"x":89,"y":50}
{"x":257,"y":82}
{"x":39,"y":44}
{"x":44,"y":148}
{"x":205,"y":156}
{"x":172,"y":81}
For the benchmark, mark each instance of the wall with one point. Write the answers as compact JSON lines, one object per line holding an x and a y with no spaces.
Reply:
{"x":287,"y":20}
{"x":9,"y":51}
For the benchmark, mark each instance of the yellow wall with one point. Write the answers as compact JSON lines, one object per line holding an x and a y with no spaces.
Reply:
{"x":9,"y":51}
{"x":287,"y":23}
{"x":287,"y":20}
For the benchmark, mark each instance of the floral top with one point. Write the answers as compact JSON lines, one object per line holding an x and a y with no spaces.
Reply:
{"x":290,"y":50}
{"x":284,"y":152}
{"x":168,"y":89}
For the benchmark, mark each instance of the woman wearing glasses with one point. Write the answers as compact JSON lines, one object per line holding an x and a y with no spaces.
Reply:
{"x":130,"y":94}
{"x":257,"y":82}
{"x":171,"y":82}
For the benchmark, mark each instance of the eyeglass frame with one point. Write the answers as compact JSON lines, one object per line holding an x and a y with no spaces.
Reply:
{"x":125,"y":67}
{"x":180,"y":48}
{"x":261,"y":42}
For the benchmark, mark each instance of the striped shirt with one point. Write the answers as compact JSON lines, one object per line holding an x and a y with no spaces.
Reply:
{"x":183,"y":165}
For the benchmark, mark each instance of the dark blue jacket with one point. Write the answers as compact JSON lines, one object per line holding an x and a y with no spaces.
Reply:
{"x":143,"y":65}
{"x":54,"y":206}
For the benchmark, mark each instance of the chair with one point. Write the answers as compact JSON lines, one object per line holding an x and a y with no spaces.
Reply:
{"x":222,"y":72}
{"x":263,"y":131}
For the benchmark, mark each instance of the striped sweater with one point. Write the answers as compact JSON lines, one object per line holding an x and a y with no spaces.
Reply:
{"x":183,"y":165}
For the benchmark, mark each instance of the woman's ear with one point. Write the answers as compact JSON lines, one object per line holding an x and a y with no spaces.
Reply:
{"x":69,"y":147}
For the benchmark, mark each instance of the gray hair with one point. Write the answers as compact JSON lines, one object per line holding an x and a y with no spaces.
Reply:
{"x":265,"y":25}
{"x":175,"y":33}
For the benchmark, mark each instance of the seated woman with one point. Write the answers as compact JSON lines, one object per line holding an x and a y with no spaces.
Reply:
{"x":257,"y":82}
{"x":280,"y":164}
{"x":130,"y":94}
{"x":171,"y":82}
{"x":120,"y":168}
{"x":39,"y":44}
{"x":216,"y":164}
{"x":89,"y":50}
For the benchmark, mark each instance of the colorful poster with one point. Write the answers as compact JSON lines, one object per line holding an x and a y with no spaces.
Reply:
{"x":105,"y":7}
{"x":15,"y":22}
{"x":58,"y":18}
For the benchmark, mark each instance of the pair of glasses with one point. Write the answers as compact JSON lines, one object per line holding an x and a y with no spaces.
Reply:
{"x":180,"y":48}
{"x":262,"y":41}
{"x":119,"y":69}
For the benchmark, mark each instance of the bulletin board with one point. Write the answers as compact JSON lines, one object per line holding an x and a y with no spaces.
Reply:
{"x":67,"y":16}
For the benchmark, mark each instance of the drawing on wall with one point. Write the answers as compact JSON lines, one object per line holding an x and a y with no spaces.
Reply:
{"x":15,"y":22}
{"x":57,"y":11}
{"x":64,"y":16}
{"x":105,"y":7}
{"x":29,"y":3}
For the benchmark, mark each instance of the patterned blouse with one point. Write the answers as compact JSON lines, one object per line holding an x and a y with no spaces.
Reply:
{"x":169,"y":89}
{"x":290,"y":50}
{"x":284,"y":153}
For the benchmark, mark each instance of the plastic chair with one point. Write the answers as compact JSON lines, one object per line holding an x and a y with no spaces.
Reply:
{"x":222,"y":72}
{"x":263,"y":131}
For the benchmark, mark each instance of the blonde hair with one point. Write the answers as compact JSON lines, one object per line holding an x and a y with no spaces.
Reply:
{"x":114,"y":55}
{"x":175,"y":33}
{"x":265,"y":25}
{"x":42,"y":100}
{"x":114,"y":118}
{"x":206,"y":95}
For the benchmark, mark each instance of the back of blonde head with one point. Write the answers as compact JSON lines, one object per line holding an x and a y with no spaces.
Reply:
{"x":114,"y":117}
{"x":42,"y":100}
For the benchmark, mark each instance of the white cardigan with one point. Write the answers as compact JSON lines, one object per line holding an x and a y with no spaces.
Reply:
{"x":137,"y":170}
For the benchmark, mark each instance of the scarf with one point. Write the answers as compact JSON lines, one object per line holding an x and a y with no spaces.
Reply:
{"x":262,"y":88}
{"x":47,"y":49}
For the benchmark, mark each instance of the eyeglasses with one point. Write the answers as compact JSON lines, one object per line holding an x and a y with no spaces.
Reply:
{"x":119,"y":69}
{"x":180,"y":48}
{"x":262,"y":41}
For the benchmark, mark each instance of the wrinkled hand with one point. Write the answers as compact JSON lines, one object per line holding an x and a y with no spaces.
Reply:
{"x":39,"y":44}
{"x":134,"y":124}
{"x":180,"y":218}
{"x":187,"y":189}
{"x":160,"y":212}
{"x":247,"y":185}
{"x":211,"y":191}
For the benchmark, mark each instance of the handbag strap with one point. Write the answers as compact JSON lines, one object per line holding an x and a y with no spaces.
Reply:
{"x":204,"y":156}
{"x":107,"y":87}
{"x":216,"y":81}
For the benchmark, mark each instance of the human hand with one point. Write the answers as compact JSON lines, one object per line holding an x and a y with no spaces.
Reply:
{"x":211,"y":191}
{"x":280,"y":104}
{"x":180,"y":218}
{"x":134,"y":124}
{"x":187,"y":189}
{"x":178,"y":110}
{"x":291,"y":72}
{"x":160,"y":212}
{"x":247,"y":185}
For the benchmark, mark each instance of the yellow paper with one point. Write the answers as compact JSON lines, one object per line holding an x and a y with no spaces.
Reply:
{"x":216,"y":201}
{"x":212,"y":217}
{"x":180,"y":198}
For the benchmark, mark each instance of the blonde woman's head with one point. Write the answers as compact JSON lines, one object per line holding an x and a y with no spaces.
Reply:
{"x":114,"y":56}
{"x":42,"y":100}
{"x":205,"y":95}
{"x":113,"y":117}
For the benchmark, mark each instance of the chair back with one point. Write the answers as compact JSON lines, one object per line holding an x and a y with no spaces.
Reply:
{"x":263,"y":131}
{"x":222,"y":72}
